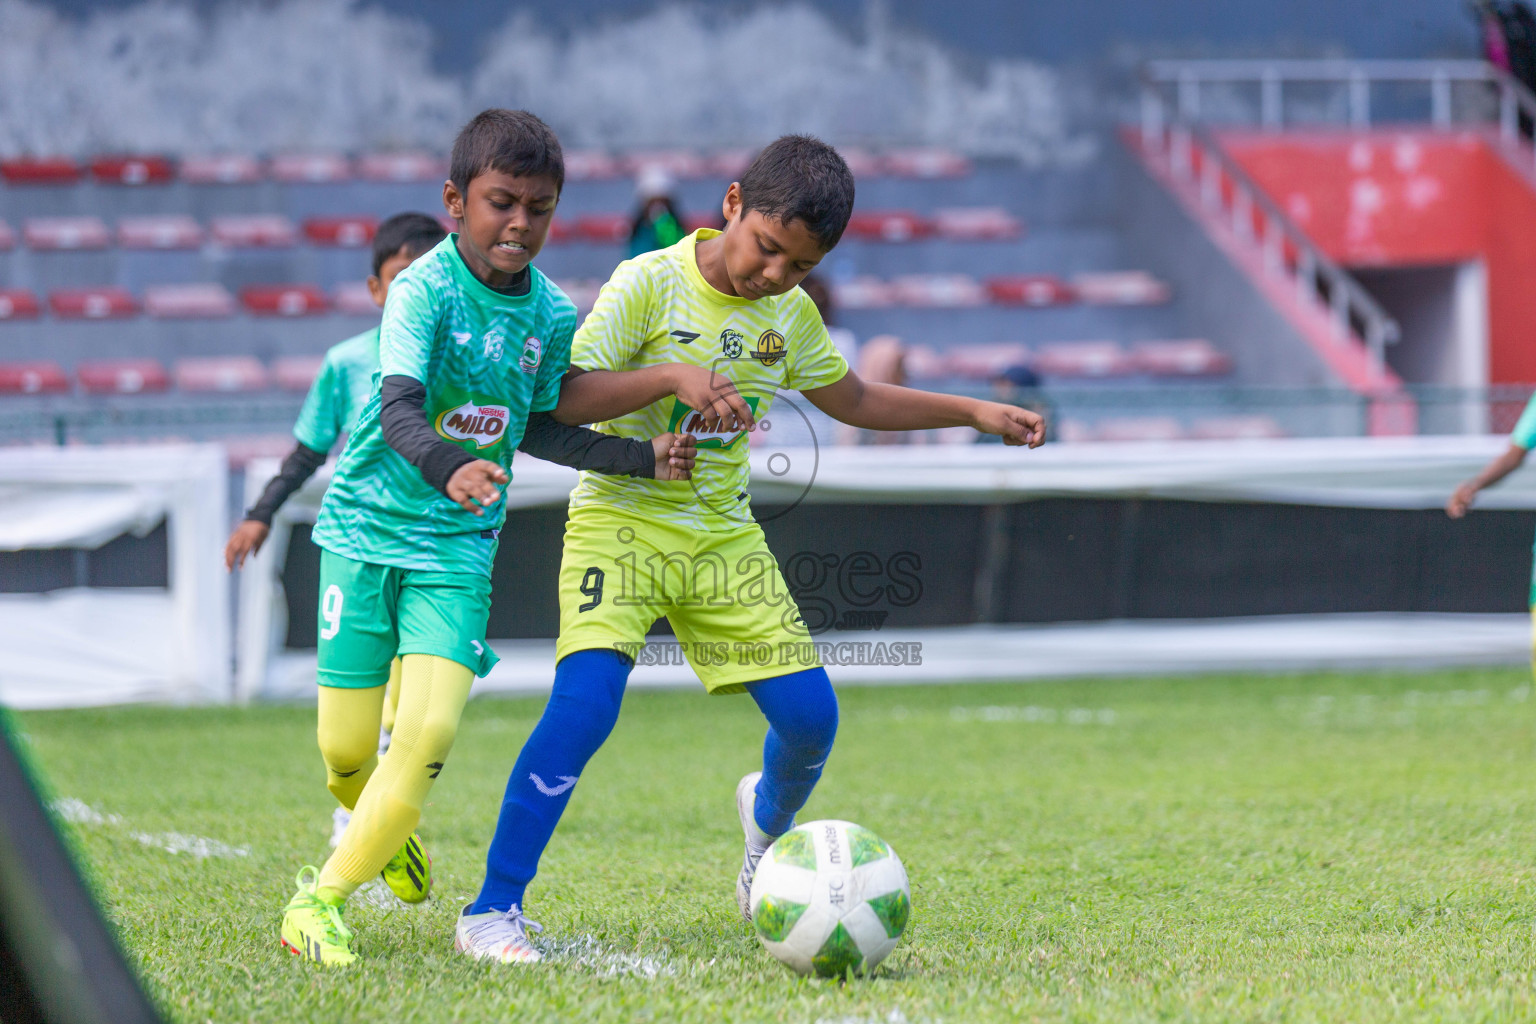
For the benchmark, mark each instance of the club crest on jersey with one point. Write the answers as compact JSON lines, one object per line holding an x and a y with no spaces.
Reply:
{"x":483,"y":424}
{"x":533,"y":353}
{"x":770,"y":348}
{"x":688,"y":421}
{"x":731,"y":343}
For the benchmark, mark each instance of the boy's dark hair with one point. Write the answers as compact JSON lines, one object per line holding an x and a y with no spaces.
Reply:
{"x":510,"y":141}
{"x":798,"y":177}
{"x":415,"y":232}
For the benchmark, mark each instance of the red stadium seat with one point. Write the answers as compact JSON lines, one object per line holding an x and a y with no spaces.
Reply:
{"x":590,"y":165}
{"x":121,"y":376}
{"x":1139,"y":428}
{"x":1083,"y":359}
{"x":283,"y":299}
{"x":220,"y":373}
{"x":679,"y":163}
{"x":983,"y":361}
{"x":38,"y":378}
{"x":7,"y":237}
{"x":66,"y":233}
{"x":18,"y":304}
{"x":861,"y":162}
{"x":939,"y":290}
{"x":92,"y":303}
{"x":1195,"y":357}
{"x":604,"y":228}
{"x":560,"y":229}
{"x":353,"y":297}
{"x":730,"y":163}
{"x":226,"y":169}
{"x":46,"y":171}
{"x":296,"y":373}
{"x":347,"y":232}
{"x":1029,"y":290}
{"x":296,"y":168}
{"x":694,"y":221}
{"x":977,"y":223}
{"x":166,"y":231}
{"x":402,"y":167}
{"x":188,"y":301}
{"x":1120,"y":288}
{"x":926,"y":163}
{"x":133,"y":170}
{"x":863,"y":292}
{"x":257,"y":231}
{"x":888,"y":226}
{"x":1235,"y":428}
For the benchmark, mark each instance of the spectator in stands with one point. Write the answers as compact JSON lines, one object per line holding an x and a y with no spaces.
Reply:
{"x":657,"y":223}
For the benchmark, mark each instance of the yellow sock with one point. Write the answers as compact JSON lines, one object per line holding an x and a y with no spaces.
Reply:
{"x":432,"y":695}
{"x":349,"y":738}
{"x":392,"y":696}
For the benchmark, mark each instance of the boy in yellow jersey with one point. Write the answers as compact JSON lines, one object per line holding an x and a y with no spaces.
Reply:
{"x":473,"y":347}
{"x":701,"y":335}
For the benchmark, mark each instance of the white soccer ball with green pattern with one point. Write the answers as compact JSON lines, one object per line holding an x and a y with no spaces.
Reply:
{"x":830,"y":897}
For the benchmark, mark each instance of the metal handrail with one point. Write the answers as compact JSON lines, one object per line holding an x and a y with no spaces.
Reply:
{"x":1319,"y":280}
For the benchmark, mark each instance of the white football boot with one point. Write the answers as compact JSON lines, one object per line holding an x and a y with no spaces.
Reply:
{"x":757,"y":841}
{"x":498,"y":936}
{"x":340,"y":818}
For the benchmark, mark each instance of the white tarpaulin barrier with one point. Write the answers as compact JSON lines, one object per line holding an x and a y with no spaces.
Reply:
{"x":1398,"y":473}
{"x":85,"y":646}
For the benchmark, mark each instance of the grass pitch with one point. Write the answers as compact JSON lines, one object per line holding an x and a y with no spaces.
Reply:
{"x":1321,"y":847}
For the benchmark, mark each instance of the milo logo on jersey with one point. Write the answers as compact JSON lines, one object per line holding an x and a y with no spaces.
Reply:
{"x":481,"y":425}
{"x":688,"y":421}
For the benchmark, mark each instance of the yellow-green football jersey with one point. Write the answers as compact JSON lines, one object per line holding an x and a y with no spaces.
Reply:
{"x":657,"y":308}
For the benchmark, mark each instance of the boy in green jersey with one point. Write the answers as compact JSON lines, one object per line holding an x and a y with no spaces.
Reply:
{"x":700,"y":336}
{"x":472,"y":350}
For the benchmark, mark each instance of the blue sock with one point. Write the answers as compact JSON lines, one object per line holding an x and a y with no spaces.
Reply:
{"x":802,"y":721}
{"x":589,"y":685}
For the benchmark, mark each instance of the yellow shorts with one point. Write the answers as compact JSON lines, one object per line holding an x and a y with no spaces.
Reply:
{"x":722,"y":592}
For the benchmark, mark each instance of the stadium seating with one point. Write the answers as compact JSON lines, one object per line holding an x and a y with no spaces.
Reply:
{"x":92,"y":303}
{"x":254,"y":231}
{"x":310,"y":168}
{"x":121,"y":376}
{"x":341,"y":231}
{"x":888,"y":226}
{"x":863,"y":292}
{"x":32,"y":378}
{"x":976,"y":224}
{"x":283,"y":300}
{"x":980,"y":361}
{"x":166,"y":231}
{"x":133,"y":170}
{"x":938,"y":290}
{"x":1194,"y":357}
{"x":1120,"y":288}
{"x":226,"y":169}
{"x":296,"y":373}
{"x":66,"y":233}
{"x":402,"y":167}
{"x":187,"y":301}
{"x":354,"y":297}
{"x":676,"y":162}
{"x":1083,"y":359}
{"x":1139,"y":428}
{"x":602,"y":227}
{"x":589,"y":165}
{"x":1029,"y":290}
{"x":226,"y":373}
{"x":18,"y":304}
{"x":7,"y":237}
{"x":926,"y":163}
{"x":42,"y":171}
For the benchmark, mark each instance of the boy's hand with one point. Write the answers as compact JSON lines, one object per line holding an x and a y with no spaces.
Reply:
{"x":474,"y":485}
{"x":1461,"y":500}
{"x":1014,"y":425}
{"x":674,"y":456}
{"x":247,"y":539}
{"x":713,"y":396}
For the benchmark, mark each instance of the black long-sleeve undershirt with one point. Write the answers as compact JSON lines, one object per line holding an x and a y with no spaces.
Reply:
{"x":404,"y":420}
{"x":297,"y":467}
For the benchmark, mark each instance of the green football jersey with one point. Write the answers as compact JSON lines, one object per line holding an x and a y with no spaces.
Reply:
{"x":657,"y":308}
{"x":487,"y":360}
{"x":1524,"y":434}
{"x":336,"y":399}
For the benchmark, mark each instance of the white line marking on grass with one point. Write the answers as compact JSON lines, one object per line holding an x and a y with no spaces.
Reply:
{"x":587,"y":953}
{"x":78,"y":812}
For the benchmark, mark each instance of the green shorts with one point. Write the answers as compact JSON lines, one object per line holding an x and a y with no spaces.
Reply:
{"x":722,"y":592}
{"x":370,"y":613}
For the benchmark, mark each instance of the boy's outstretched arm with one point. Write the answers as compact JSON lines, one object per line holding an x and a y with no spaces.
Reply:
{"x":873,"y":406}
{"x":592,"y":396}
{"x":664,"y":457}
{"x":1507,"y":462}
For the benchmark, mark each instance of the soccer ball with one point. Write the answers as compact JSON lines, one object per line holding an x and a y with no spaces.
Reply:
{"x":830,"y":897}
